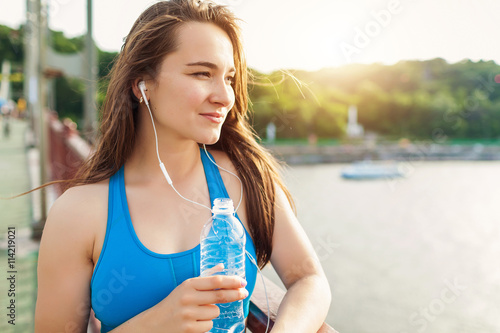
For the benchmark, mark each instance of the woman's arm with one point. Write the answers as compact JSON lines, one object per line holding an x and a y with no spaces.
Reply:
{"x":65,"y":267}
{"x":307,"y":300}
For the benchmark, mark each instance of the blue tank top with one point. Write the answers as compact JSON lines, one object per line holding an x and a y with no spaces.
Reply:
{"x":129,"y":278}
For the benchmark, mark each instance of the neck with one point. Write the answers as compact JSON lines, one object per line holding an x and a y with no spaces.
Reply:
{"x":179,"y":156}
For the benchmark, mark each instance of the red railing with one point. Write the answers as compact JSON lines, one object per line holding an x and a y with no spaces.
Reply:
{"x":67,"y":149}
{"x":67,"y":152}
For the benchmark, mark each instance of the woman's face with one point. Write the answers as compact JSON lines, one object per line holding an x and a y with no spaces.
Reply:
{"x":193,"y":91}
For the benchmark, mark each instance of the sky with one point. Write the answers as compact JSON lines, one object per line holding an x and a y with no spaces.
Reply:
{"x":313,"y":34}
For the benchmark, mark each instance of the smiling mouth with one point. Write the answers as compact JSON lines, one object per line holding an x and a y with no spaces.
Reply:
{"x":216,"y":118}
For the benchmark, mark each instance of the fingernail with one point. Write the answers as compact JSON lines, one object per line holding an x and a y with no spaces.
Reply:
{"x":243,"y":283}
{"x":246,"y":293}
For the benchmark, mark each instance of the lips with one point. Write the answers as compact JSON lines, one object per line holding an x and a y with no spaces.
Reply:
{"x":214,"y":117}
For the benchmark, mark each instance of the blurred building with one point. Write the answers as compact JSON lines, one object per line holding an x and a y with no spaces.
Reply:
{"x":353,"y":130}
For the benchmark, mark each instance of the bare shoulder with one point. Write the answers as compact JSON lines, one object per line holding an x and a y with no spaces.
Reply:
{"x":78,"y":213}
{"x":223,"y":160}
{"x":81,"y":202}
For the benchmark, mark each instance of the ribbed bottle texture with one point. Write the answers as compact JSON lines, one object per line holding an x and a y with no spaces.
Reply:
{"x":223,"y":241}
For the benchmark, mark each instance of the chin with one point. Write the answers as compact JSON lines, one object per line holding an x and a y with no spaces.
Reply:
{"x":211,"y":140}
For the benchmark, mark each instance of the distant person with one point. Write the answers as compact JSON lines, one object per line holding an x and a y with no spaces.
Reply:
{"x":120,"y":240}
{"x":6,"y":114}
{"x":21,"y":107}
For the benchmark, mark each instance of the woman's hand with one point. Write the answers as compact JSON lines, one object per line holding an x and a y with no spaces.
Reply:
{"x":191,"y":307}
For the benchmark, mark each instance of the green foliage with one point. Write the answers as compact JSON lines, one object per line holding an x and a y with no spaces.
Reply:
{"x":12,"y":49}
{"x":69,"y":101}
{"x":62,"y":44}
{"x":69,"y":92}
{"x":11,"y":44}
{"x":412,"y":99}
{"x":106,"y":61}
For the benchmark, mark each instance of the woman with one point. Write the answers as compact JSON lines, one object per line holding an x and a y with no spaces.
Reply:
{"x":122,"y":241}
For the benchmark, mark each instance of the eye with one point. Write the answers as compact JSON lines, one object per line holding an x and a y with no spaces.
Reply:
{"x":230,"y":79}
{"x":202,"y":74}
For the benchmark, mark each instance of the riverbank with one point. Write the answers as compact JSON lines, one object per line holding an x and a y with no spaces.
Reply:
{"x":418,"y":151}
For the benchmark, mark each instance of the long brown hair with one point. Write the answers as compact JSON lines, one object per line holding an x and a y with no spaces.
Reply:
{"x":151,"y":38}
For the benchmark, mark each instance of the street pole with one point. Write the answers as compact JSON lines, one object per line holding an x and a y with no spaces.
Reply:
{"x":30,"y":67}
{"x":90,"y":111}
{"x":41,"y":103}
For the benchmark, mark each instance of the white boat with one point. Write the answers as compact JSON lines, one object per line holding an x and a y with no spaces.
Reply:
{"x":372,"y":170}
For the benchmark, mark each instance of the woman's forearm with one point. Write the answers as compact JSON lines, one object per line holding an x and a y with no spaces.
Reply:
{"x":304,"y":307}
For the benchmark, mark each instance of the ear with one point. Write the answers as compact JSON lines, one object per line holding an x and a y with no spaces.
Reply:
{"x":137,"y":91}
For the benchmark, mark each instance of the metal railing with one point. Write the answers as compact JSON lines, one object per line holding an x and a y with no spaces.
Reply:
{"x":257,"y":318}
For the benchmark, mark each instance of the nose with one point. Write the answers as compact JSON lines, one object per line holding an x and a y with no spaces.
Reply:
{"x":222,"y":94}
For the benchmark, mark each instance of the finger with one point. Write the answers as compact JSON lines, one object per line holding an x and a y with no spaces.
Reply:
{"x":208,"y":312}
{"x":221,"y":296}
{"x":218,"y":282}
{"x":211,"y":271}
{"x":202,"y":325}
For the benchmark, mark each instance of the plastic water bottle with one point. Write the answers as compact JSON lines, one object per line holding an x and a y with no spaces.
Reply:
{"x":223,"y":241}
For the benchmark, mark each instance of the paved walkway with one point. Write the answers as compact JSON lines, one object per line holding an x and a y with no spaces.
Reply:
{"x":17,"y":215}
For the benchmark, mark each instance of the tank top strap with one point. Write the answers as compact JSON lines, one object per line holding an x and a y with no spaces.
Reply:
{"x":216,"y":186}
{"x":115,"y":182}
{"x":113,"y":227}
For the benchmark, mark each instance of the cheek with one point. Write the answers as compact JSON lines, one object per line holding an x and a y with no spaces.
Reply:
{"x":233,"y":97}
{"x":188,"y":93}
{"x":194,"y":95}
{"x":176,"y":99}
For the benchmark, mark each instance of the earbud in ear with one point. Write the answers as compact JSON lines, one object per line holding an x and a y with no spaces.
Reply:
{"x":142,"y":88}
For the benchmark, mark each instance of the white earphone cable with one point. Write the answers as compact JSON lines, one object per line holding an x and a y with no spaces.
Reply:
{"x":241,"y":183}
{"x":199,"y":204}
{"x":265,"y":289}
{"x":161,"y":163}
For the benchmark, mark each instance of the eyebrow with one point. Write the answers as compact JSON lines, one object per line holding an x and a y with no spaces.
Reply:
{"x":208,"y":64}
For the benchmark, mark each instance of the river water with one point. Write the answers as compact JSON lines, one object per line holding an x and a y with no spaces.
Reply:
{"x":419,"y":254}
